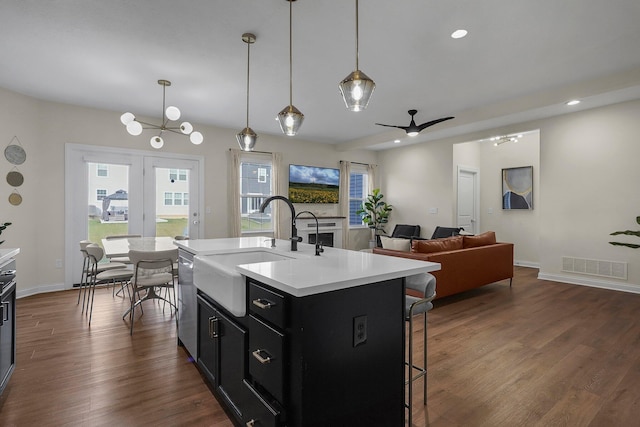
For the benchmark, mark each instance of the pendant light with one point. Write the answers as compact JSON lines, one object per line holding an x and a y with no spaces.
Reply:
{"x":357,"y":87}
{"x":290,"y":117}
{"x":247,"y":138}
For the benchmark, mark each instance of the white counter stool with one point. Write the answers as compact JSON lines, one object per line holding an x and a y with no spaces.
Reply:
{"x":425,"y":285}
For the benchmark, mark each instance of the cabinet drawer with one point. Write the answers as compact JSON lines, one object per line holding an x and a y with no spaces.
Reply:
{"x":267,"y":304}
{"x":257,"y":412}
{"x":266,"y":353}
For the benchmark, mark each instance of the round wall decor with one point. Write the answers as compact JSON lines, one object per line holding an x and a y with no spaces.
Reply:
{"x":15,"y":199}
{"x":15,"y":154}
{"x":15,"y":179}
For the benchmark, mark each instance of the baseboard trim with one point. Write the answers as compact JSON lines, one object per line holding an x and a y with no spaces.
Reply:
{"x":41,"y":289}
{"x":529,"y":264}
{"x":594,"y":283}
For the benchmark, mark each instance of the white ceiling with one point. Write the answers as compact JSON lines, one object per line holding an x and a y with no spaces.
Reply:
{"x":521,"y":60}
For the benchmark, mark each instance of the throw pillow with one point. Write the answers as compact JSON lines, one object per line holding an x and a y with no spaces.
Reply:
{"x":395,"y":243}
{"x":484,"y":239}
{"x":437,"y":245}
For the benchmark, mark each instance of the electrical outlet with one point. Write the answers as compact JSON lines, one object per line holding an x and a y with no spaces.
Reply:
{"x":359,"y":330}
{"x":58,"y":263}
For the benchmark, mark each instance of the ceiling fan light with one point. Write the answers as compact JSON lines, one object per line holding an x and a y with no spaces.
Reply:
{"x":134,"y":128}
{"x":196,"y":138}
{"x":290,"y":119}
{"x":156,"y":142}
{"x":172,"y":113}
{"x":247,"y":139}
{"x":186,"y":128}
{"x":127,"y":118}
{"x":356,"y":90}
{"x":413,"y":133}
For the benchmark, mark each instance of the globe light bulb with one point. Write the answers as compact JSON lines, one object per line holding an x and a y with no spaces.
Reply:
{"x":186,"y":128}
{"x":134,"y":128}
{"x":157,"y":142}
{"x":172,"y":113}
{"x":127,"y":118}
{"x":196,"y":138}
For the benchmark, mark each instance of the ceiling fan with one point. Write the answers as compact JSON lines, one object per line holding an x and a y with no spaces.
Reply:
{"x":413,"y":129}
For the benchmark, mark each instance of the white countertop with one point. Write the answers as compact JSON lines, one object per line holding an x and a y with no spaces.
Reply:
{"x":307,"y":274}
{"x":6,"y":254}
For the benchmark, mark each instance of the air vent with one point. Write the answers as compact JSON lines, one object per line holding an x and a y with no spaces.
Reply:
{"x":595,"y":267}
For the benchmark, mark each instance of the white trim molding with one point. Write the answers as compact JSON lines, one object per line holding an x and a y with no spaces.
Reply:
{"x":591,"y":282}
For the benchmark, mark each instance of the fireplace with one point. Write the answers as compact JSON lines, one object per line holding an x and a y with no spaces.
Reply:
{"x":330,"y":230}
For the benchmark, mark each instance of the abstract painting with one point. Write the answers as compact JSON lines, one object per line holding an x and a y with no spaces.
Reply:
{"x":517,"y":188}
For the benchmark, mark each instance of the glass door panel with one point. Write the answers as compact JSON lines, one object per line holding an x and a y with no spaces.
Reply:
{"x":172,"y":202}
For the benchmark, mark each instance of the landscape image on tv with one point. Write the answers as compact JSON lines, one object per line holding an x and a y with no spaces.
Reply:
{"x":311,"y":184}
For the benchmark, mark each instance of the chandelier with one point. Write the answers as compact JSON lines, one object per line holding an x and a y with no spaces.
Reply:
{"x":499,"y":140}
{"x":170,"y":114}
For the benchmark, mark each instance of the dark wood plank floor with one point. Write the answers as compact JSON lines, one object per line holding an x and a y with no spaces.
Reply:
{"x":537,"y":354}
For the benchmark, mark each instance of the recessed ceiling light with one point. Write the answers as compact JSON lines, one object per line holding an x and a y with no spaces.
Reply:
{"x":396,"y":141}
{"x":458,"y":34}
{"x":573,"y":102}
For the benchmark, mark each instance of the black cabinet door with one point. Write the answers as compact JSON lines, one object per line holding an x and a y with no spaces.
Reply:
{"x":208,"y":327}
{"x":232,"y":356}
{"x":7,"y":335}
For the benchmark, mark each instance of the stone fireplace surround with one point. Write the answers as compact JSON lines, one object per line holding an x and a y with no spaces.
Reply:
{"x":306,"y":226}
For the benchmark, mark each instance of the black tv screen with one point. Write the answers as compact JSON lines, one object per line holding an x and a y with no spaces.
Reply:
{"x":312,"y":184}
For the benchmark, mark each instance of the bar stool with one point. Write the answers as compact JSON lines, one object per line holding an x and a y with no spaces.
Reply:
{"x":425,"y":285}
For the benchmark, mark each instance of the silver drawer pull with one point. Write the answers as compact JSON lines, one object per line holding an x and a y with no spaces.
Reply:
{"x":251,"y":423}
{"x":264,"y":360}
{"x":263,"y":303}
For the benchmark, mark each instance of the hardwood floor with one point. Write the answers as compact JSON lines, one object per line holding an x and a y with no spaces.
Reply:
{"x":537,"y":354}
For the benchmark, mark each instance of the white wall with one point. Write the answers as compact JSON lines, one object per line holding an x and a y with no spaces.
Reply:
{"x":588,"y":178}
{"x":45,"y":127}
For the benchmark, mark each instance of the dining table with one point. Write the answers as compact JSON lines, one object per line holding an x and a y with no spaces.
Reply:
{"x":121,"y":247}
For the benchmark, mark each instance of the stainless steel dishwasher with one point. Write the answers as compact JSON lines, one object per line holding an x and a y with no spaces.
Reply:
{"x":187,"y":305}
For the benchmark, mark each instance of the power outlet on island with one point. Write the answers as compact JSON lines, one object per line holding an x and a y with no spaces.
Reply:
{"x":359,"y":330}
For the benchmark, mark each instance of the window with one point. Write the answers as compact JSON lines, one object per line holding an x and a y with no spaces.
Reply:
{"x":177,"y":199}
{"x":255,"y":187}
{"x":100,"y":194}
{"x":168,"y":198}
{"x":358,"y":190}
{"x":185,"y":199}
{"x":102,"y":170}
{"x":177,"y":175}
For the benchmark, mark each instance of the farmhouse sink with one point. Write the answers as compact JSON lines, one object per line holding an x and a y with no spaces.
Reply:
{"x":216,"y":275}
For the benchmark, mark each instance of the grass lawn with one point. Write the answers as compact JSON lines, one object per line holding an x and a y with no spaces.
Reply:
{"x":97,"y":230}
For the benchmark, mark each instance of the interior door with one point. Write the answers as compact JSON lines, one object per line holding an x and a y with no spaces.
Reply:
{"x":468,"y":200}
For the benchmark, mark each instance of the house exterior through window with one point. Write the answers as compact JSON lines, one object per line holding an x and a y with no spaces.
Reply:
{"x":255,"y":186}
{"x":358,"y":190}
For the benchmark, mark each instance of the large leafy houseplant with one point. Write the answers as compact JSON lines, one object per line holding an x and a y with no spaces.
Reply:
{"x":375,"y":212}
{"x":2,"y":228}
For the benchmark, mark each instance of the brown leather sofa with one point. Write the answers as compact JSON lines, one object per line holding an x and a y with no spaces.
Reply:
{"x":467,"y":262}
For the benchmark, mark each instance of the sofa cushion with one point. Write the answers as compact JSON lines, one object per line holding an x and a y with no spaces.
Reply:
{"x":398,"y":244}
{"x":484,"y":239}
{"x":437,"y":245}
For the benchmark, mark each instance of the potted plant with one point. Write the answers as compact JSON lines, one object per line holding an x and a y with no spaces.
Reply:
{"x":2,"y":227}
{"x":375,"y":213}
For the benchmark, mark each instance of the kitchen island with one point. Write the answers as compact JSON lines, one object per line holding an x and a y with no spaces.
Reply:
{"x":304,"y":340}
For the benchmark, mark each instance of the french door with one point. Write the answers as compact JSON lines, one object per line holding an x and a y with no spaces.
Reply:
{"x":117,"y":191}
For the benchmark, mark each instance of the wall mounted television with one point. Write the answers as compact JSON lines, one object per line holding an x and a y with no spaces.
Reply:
{"x":313,"y":184}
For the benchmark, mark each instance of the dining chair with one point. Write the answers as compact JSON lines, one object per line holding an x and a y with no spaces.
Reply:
{"x":94,"y":254}
{"x":423,"y":285}
{"x":86,"y":272}
{"x":152,"y":270}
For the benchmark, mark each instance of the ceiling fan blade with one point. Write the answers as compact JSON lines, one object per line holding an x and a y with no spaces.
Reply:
{"x":433,"y":122}
{"x":391,"y":126}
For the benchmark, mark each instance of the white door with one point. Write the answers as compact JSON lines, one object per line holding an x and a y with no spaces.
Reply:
{"x":93,"y":172}
{"x":171,"y":189}
{"x":468,"y":199}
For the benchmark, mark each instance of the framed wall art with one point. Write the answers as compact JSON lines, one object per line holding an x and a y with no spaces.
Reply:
{"x":517,"y":188}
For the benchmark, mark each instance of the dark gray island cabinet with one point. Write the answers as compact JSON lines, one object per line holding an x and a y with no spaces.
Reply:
{"x":331,"y":359}
{"x":317,"y":341}
{"x":7,"y":315}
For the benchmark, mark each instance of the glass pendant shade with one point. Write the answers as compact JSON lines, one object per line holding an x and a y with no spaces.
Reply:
{"x":134,"y":128}
{"x":186,"y":128}
{"x":290,"y":119}
{"x":247,"y":139}
{"x":173,"y":113}
{"x":127,"y":118}
{"x":157,"y":142}
{"x":196,"y":138}
{"x":356,"y":90}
